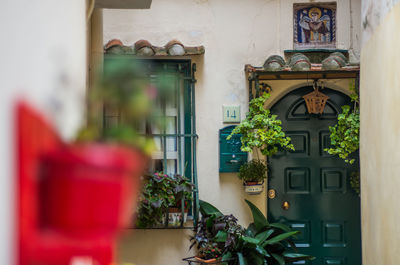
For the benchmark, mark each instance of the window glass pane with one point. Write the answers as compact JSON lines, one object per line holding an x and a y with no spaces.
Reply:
{"x":111,"y":121}
{"x":157,"y":165}
{"x":171,"y":129}
{"x":158,"y":145}
{"x":171,"y":167}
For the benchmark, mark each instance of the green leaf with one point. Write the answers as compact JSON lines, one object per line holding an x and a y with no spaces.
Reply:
{"x":279,"y":238}
{"x":251,"y":230}
{"x":297,"y":256}
{"x":241,"y":259}
{"x":291,"y":244}
{"x":281,"y":226}
{"x":262,"y":251}
{"x":210,"y":221}
{"x":278,"y":258}
{"x":256,"y":259}
{"x":227,"y":256}
{"x":250,"y":240}
{"x":206,"y":209}
{"x":259,"y":219}
{"x":221,"y":236}
{"x":264,"y":235}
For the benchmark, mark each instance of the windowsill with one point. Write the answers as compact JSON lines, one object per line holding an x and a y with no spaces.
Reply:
{"x":188,"y":225}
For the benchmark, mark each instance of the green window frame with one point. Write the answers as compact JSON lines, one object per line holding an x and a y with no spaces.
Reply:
{"x":181,"y":73}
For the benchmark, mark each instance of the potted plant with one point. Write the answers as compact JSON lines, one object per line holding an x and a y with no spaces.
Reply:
{"x":162,"y":198}
{"x":100,"y":174}
{"x":260,"y":243}
{"x":215,"y":234}
{"x":261,"y":129}
{"x":183,"y":190}
{"x":252,"y":174}
{"x":209,"y":253}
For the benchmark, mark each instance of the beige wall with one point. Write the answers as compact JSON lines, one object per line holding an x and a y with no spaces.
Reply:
{"x":234,"y":33}
{"x":373,"y":12}
{"x":380,"y":142}
{"x":42,"y":55}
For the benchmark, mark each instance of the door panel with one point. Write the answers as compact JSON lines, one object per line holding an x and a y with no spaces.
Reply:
{"x":322,"y":205}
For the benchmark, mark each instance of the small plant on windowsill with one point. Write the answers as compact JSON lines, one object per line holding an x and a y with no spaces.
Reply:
{"x":253,"y":174}
{"x":160,"y":194}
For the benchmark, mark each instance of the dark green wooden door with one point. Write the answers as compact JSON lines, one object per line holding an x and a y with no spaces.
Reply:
{"x":315,"y":185}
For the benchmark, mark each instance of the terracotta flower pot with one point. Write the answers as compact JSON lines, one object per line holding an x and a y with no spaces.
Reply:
{"x":90,"y":188}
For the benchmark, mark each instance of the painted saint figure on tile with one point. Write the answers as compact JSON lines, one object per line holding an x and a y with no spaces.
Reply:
{"x":315,"y":26}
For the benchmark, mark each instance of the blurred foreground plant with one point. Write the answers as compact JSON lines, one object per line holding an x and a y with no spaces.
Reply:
{"x":125,"y":88}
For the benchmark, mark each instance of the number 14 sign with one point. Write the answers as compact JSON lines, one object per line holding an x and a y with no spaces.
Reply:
{"x":231,"y":114}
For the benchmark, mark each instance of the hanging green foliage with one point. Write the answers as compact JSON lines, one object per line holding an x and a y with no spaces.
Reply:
{"x":261,"y":129}
{"x":355,"y":181}
{"x":345,"y":135}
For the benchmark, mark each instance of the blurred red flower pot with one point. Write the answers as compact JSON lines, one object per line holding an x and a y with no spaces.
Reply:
{"x":90,"y":188}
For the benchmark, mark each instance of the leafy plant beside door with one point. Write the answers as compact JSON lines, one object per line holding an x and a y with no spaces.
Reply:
{"x":220,"y":238}
{"x":261,"y":130}
{"x":345,"y":135}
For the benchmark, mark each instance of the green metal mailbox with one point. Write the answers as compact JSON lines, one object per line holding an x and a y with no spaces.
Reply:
{"x":230,"y":155}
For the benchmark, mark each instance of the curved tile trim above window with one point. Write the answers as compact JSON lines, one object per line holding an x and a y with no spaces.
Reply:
{"x":145,"y":48}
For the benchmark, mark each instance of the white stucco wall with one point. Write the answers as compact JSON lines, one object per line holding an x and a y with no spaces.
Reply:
{"x":42,"y":55}
{"x":380,"y":138}
{"x":373,"y":12}
{"x":234,"y":33}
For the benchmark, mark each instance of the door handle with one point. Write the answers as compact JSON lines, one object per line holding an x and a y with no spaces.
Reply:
{"x":285,"y":205}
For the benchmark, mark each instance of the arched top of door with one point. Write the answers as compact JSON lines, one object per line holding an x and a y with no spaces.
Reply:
{"x":285,"y":81}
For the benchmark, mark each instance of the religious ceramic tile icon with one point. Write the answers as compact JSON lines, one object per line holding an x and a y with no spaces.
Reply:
{"x":314,"y":25}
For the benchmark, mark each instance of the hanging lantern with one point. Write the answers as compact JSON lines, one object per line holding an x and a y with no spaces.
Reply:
{"x":315,"y":101}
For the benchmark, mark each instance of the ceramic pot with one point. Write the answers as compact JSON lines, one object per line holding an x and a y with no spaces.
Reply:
{"x":253,"y":188}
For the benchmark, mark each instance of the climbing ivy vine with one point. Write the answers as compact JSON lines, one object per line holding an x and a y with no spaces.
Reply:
{"x":261,"y":129}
